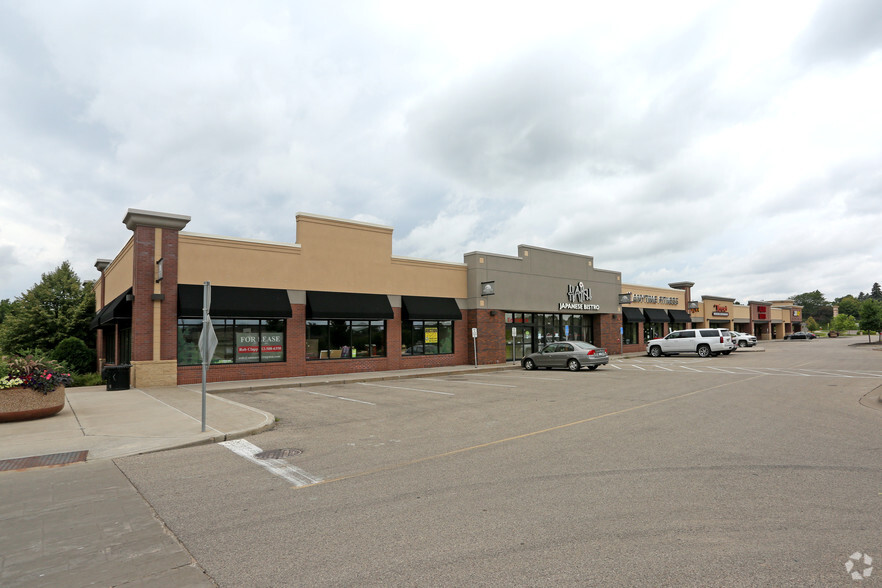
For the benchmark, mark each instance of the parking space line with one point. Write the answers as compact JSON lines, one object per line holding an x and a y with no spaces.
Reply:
{"x":278,"y":467}
{"x":470,"y":382}
{"x":340,"y":398}
{"x":710,"y":367}
{"x":404,"y":464}
{"x":411,"y":389}
{"x":519,"y":375}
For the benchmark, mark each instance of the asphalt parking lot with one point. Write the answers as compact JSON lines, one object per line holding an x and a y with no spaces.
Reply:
{"x":750,"y":469}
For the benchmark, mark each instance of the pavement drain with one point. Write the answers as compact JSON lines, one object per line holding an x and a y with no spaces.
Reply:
{"x":277,"y":453}
{"x":38,"y":461}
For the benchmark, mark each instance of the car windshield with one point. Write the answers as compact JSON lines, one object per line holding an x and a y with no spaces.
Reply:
{"x":583,"y":345}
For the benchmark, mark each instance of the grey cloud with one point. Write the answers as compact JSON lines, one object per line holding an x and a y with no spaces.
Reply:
{"x":842,"y":31}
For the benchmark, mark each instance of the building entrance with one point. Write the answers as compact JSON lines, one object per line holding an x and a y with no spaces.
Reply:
{"x":518,"y":341}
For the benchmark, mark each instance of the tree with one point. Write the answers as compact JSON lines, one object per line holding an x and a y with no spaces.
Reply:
{"x":843,"y":322}
{"x":58,"y":307}
{"x":876,"y":292}
{"x":76,"y":355}
{"x":871,"y":317}
{"x":811,"y":324}
{"x":812,"y":303}
{"x":848,"y":305}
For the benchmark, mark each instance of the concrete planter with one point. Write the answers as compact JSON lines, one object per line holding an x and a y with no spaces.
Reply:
{"x":24,"y":404}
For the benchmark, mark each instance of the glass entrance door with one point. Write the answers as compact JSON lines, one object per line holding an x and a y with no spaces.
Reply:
{"x":520,"y":343}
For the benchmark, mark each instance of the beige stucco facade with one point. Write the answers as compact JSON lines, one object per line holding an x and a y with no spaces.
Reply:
{"x":329,"y":255}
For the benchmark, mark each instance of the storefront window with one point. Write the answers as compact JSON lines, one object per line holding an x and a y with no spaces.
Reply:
{"x":342,"y":339}
{"x":238,"y":341}
{"x":630,"y":333}
{"x":653,"y":331}
{"x":426,"y":337}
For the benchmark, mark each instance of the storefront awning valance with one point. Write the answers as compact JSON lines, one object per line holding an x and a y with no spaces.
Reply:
{"x":234,"y":302}
{"x":346,"y":305}
{"x":118,"y":311}
{"x":419,"y":308}
{"x":656,"y":315}
{"x":632,"y":315}
{"x":679,"y":316}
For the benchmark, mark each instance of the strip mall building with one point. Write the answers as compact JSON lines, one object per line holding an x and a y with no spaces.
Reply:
{"x":339,"y":301}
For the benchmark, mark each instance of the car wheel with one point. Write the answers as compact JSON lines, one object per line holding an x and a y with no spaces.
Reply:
{"x":529,"y":364}
{"x":703,"y":351}
{"x":742,"y":344}
{"x":592,"y":367}
{"x":573,"y":365}
{"x":655,"y":351}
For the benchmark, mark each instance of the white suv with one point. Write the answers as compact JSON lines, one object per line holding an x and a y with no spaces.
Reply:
{"x":743,"y":339}
{"x":704,"y":342}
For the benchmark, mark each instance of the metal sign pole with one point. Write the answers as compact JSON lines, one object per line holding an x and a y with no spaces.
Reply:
{"x":475,"y":344}
{"x":206,"y":302}
{"x":207,"y":343}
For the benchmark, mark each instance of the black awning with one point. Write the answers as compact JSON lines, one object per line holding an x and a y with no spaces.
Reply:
{"x":632,"y":315}
{"x":234,"y":302}
{"x":118,"y":311}
{"x":656,"y":315}
{"x":680,"y":316}
{"x":418,"y":308}
{"x":345,"y":305}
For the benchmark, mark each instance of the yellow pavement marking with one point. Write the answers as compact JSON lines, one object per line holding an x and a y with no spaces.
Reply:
{"x":518,"y":437}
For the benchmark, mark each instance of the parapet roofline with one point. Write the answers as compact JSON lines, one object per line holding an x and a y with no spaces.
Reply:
{"x":240,"y":239}
{"x":342,"y":221}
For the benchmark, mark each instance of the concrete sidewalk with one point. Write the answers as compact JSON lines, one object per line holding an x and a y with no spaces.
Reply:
{"x":111,"y":424}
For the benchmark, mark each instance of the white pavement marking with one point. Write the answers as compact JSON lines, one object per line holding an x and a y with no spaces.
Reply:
{"x":411,"y":389}
{"x":614,"y":366}
{"x":341,"y":398}
{"x":469,"y":382}
{"x":720,"y":369}
{"x":278,"y":467}
{"x":518,"y":375}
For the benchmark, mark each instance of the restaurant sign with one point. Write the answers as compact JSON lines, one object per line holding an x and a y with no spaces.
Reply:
{"x":578,"y":295}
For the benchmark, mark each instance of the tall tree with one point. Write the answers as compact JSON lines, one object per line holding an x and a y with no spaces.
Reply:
{"x":871,"y":317}
{"x":58,"y":307}
{"x":876,"y":292}
{"x":848,"y":305}
{"x":812,"y":303}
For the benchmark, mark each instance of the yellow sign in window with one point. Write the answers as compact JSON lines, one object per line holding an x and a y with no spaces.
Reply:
{"x":431,"y":334}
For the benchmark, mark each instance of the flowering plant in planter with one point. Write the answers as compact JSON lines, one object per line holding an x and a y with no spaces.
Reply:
{"x":36,"y":373}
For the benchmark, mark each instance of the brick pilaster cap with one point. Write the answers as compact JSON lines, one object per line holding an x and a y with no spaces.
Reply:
{"x":163,"y":220}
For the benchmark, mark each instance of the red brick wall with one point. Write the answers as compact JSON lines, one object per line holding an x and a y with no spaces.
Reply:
{"x":169,"y":285}
{"x":491,"y":336}
{"x":142,"y":287}
{"x":607,"y":332}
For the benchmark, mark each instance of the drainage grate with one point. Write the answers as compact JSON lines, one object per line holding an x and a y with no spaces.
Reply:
{"x":278,"y":453}
{"x":39,"y":461}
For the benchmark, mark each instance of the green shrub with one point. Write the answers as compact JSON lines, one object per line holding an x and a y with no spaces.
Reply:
{"x":89,"y":379}
{"x":76,"y":355}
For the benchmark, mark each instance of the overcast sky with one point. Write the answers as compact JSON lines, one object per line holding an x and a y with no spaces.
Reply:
{"x":737,"y":144}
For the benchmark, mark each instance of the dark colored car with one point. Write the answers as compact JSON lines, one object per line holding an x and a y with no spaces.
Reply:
{"x":801,"y":335}
{"x":572,"y":355}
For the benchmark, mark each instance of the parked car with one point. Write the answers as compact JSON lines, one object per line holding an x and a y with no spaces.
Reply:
{"x":743,"y":339}
{"x":573,"y":355}
{"x":801,"y":335}
{"x":833,"y":334}
{"x":729,"y":340}
{"x":704,"y":342}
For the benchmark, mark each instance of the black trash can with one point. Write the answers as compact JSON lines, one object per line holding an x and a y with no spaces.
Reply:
{"x":118,"y":377}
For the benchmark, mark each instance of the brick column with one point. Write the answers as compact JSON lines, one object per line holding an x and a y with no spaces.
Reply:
{"x":491,"y":336}
{"x":154,"y":304}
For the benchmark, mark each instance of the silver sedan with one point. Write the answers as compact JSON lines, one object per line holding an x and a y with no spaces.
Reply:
{"x":572,"y":355}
